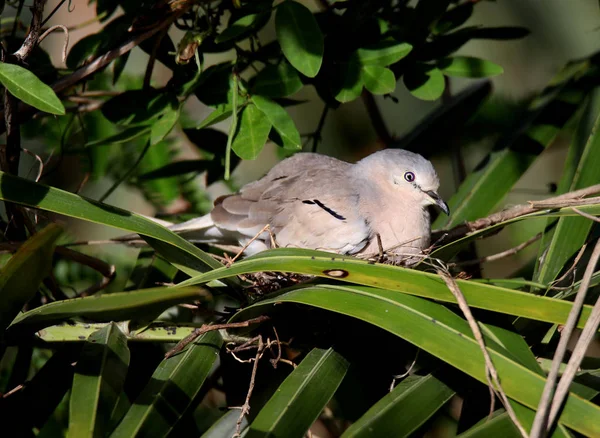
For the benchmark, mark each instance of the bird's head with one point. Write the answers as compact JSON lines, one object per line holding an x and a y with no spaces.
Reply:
{"x":407,"y":173}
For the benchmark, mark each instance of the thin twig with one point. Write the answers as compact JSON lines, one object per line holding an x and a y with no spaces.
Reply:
{"x":491,"y":373}
{"x":586,"y":337}
{"x":245,"y":409}
{"x":586,"y":215}
{"x":207,"y":328}
{"x":572,"y":268}
{"x":544,"y":412}
{"x":241,"y":251}
{"x":570,"y":199}
{"x":500,"y":255}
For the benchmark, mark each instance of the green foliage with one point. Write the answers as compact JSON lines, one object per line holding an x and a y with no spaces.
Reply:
{"x":312,"y":340}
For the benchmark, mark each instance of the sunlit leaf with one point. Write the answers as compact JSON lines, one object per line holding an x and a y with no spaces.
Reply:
{"x":252,"y":134}
{"x":26,"y":86}
{"x":424,"y":82}
{"x":281,"y":121}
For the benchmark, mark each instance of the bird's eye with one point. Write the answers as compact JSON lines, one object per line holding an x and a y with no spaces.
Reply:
{"x":409,"y":176}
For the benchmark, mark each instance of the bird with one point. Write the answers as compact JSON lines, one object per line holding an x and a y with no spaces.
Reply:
{"x":377,"y":205}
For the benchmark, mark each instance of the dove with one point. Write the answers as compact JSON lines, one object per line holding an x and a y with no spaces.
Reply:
{"x":313,"y":201}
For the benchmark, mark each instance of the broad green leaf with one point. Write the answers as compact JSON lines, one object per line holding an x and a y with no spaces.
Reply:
{"x":222,"y":112}
{"x":237,"y":28}
{"x":384,"y":53}
{"x":125,"y":136}
{"x":119,"y":306}
{"x":252,"y":133}
{"x":378,"y":80}
{"x":21,"y":276}
{"x":404,"y":410}
{"x":99,"y":377}
{"x":300,"y":38}
{"x":281,"y":121}
{"x":469,"y":67}
{"x":79,"y":332}
{"x":36,"y":195}
{"x":407,"y":281}
{"x":300,"y":399}
{"x":571,"y":232}
{"x":440,"y":332}
{"x":424,"y":82}
{"x":26,"y":86}
{"x":348,"y":83}
{"x":226,"y":425}
{"x":174,"y":386}
{"x":279,"y":80}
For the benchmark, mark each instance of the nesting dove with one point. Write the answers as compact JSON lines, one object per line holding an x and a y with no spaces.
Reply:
{"x":317,"y":202}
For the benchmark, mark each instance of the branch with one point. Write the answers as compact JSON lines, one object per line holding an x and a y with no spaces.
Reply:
{"x":569,"y":199}
{"x":34,"y":31}
{"x":543,"y":418}
{"x":490,"y":370}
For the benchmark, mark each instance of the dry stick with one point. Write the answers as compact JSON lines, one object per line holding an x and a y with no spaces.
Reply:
{"x":586,"y":337}
{"x":572,"y":268}
{"x":500,"y":255}
{"x":491,"y":373}
{"x":241,"y":251}
{"x":541,"y":422}
{"x":34,"y":31}
{"x":566,"y":200}
{"x":246,"y":406}
{"x":207,"y":328}
{"x":586,"y":215}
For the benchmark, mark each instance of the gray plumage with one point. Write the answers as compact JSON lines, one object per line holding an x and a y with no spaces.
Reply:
{"x":318,"y":202}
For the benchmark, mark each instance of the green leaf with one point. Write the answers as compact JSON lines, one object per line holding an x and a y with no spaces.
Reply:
{"x":237,"y":28}
{"x":26,"y":86}
{"x":118,"y":306}
{"x":404,"y":410}
{"x":453,"y":18}
{"x":222,"y":112}
{"x":469,"y":67}
{"x":174,"y":386}
{"x":99,"y":377}
{"x":300,"y":38}
{"x":348,"y":82}
{"x":384,"y":53}
{"x":424,"y":82}
{"x":122,"y":137}
{"x":226,"y":425}
{"x":253,"y":131}
{"x":21,"y":276}
{"x":493,"y":178}
{"x":407,"y":281}
{"x":378,"y":80}
{"x":440,"y":332}
{"x":164,"y":125}
{"x":281,"y":121}
{"x":279,"y":80}
{"x":571,"y":232}
{"x":302,"y":396}
{"x":31,"y":194}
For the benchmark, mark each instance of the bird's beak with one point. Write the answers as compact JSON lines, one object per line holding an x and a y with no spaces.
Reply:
{"x":435,"y":199}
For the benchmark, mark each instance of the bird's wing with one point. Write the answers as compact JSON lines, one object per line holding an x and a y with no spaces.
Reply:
{"x":308,"y":201}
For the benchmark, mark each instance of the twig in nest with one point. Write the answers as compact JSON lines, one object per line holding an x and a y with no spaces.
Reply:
{"x":547,"y":410}
{"x":500,"y":255}
{"x":406,"y":373}
{"x":245,"y":247}
{"x":245,"y":408}
{"x":490,"y":370}
{"x":207,"y":328}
